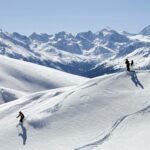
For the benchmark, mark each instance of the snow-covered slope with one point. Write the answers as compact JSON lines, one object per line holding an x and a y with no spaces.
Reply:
{"x":18,"y":78}
{"x":86,"y":116}
{"x":132,"y":132}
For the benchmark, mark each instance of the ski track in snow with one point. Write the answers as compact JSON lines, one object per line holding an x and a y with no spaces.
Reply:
{"x":112,"y":130}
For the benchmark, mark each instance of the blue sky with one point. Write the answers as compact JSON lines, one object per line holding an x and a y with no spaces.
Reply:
{"x":51,"y":16}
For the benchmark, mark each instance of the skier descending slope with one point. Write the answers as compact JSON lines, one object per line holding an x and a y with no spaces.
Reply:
{"x":23,"y":132}
{"x":21,"y":115}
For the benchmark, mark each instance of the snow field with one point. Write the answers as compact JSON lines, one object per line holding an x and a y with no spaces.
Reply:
{"x":85,"y":116}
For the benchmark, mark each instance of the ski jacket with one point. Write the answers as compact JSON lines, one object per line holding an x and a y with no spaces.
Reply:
{"x":20,"y":115}
{"x":127,"y":63}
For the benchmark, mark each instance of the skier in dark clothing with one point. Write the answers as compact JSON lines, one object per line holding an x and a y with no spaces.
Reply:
{"x":132,"y":63}
{"x":127,"y":64}
{"x":21,"y":115}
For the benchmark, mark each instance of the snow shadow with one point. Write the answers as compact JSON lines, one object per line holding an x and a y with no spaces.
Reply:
{"x":135,"y":80}
{"x":38,"y":124}
{"x":7,"y":97}
{"x":23,"y":133}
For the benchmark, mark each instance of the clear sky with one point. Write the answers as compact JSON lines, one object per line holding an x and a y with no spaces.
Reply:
{"x":51,"y":16}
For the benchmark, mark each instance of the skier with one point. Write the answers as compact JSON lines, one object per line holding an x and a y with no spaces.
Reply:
{"x":127,"y":64}
{"x":132,"y":63}
{"x":21,"y":115}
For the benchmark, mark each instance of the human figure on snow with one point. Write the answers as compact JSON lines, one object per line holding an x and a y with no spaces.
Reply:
{"x":127,"y":64}
{"x":21,"y":115}
{"x":132,"y":63}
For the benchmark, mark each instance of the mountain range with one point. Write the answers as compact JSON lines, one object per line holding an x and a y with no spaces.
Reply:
{"x":88,"y":54}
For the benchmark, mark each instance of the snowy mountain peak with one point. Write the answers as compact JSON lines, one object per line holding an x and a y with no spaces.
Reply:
{"x":89,"y":35}
{"x":126,"y":33}
{"x":63,"y":35}
{"x":146,"y":31}
{"x":41,"y":37}
{"x":107,"y":29}
{"x":20,"y":37}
